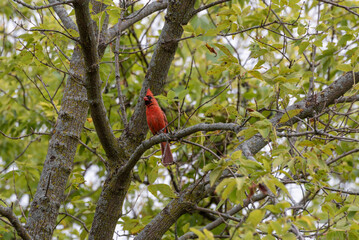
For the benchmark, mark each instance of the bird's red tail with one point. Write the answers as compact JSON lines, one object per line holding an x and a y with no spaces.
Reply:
{"x":167,"y":158}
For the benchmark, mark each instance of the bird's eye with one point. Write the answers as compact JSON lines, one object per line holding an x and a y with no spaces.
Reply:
{"x":149,"y":97}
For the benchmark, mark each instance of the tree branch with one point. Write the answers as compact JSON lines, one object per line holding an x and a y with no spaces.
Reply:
{"x":345,"y":99}
{"x":21,"y":231}
{"x":201,"y":146}
{"x":175,"y":136}
{"x":222,"y":215}
{"x":137,"y":16}
{"x":200,"y":9}
{"x":93,"y":82}
{"x":315,"y":103}
{"x":42,"y":7}
{"x":342,"y":191}
{"x":117,"y":74}
{"x":340,"y":6}
{"x":76,"y":219}
{"x":219,"y":221}
{"x":63,"y":15}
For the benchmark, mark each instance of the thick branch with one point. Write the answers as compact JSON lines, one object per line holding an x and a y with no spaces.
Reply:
{"x":309,"y":106}
{"x":93,"y":81}
{"x":231,"y":212}
{"x":7,"y":212}
{"x":63,"y":15}
{"x":186,"y":202}
{"x":175,"y":136}
{"x":137,"y":16}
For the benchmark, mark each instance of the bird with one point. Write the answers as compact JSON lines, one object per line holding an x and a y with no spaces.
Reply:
{"x":157,"y":121}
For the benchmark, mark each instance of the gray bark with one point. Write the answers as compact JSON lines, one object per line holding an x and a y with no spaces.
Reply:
{"x":60,"y":155}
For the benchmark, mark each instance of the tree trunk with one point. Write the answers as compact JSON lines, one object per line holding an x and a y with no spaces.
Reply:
{"x":60,"y":155}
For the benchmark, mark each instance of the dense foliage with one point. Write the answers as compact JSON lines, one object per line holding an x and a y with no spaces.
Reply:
{"x":287,"y":169}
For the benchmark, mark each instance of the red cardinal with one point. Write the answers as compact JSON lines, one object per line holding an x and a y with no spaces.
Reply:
{"x":157,"y":121}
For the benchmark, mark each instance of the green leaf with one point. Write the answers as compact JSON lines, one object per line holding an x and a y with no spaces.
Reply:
{"x":188,"y":28}
{"x":226,"y":51}
{"x":211,"y":32}
{"x":226,"y":11}
{"x":256,"y":74}
{"x":279,"y":184}
{"x":199,"y":234}
{"x":301,"y":30}
{"x":83,"y":235}
{"x":171,"y":95}
{"x":290,"y":114}
{"x":229,"y":189}
{"x":247,"y":133}
{"x":250,"y":164}
{"x":208,"y":234}
{"x":256,"y":114}
{"x":344,"y":39}
{"x":255,"y":217}
{"x":185,"y":227}
{"x":268,"y":237}
{"x":223,"y":25}
{"x":183,"y":94}
{"x":214,"y":108}
{"x":322,"y":27}
{"x":240,"y":182}
{"x":210,"y":166}
{"x":153,"y":175}
{"x":164,"y":189}
{"x":141,"y":170}
{"x":353,"y":208}
{"x":289,"y":236}
{"x":344,"y":67}
{"x":214,"y":175}
{"x":273,"y":209}
{"x":270,"y":184}
{"x":221,"y":186}
{"x":259,"y":64}
{"x":216,"y":70}
{"x":264,"y":127}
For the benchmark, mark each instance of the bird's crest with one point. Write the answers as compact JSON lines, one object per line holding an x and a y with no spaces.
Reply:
{"x":149,"y":93}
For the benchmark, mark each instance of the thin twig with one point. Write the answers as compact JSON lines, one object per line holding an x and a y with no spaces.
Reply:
{"x":201,"y":146}
{"x":340,"y":6}
{"x":117,"y":73}
{"x":42,"y":7}
{"x":194,"y":12}
{"x":77,"y":219}
{"x":229,"y":84}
